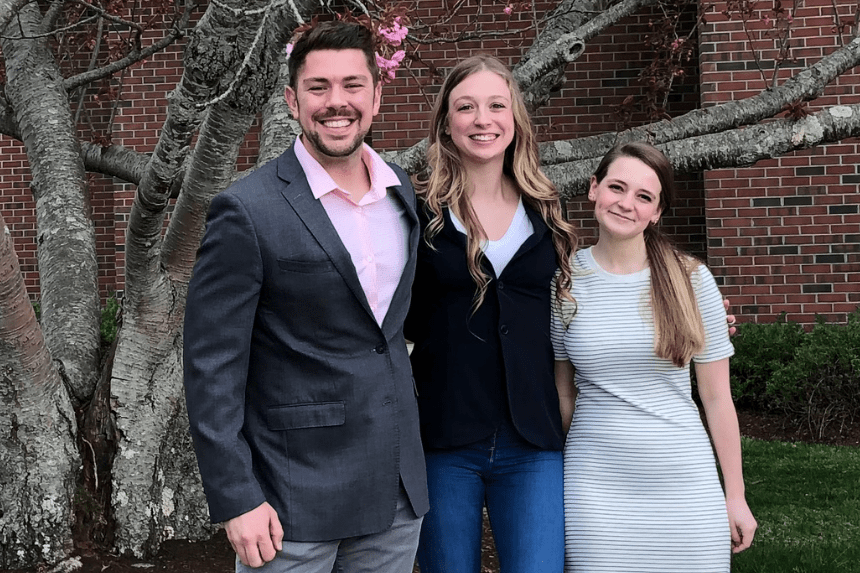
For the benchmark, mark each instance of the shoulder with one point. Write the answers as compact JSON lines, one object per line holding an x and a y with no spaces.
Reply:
{"x":268,"y":175}
{"x":705,"y":285}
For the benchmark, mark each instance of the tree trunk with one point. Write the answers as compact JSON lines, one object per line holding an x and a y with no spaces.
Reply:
{"x":156,"y":485}
{"x":38,"y":459}
{"x":67,"y":254}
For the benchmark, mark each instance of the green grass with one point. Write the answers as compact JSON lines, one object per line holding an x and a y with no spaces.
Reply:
{"x":806,"y":499}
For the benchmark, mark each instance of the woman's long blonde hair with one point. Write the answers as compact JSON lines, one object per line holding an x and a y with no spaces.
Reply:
{"x":448,"y":182}
{"x":678,"y":329}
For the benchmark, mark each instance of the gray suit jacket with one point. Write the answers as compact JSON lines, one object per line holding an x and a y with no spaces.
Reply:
{"x":295,"y":394}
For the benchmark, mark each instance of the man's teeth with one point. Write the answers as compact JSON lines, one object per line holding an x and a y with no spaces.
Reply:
{"x":484,"y":137}
{"x":337,"y":123}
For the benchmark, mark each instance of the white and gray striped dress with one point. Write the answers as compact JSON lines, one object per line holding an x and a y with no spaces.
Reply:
{"x":641,"y":491}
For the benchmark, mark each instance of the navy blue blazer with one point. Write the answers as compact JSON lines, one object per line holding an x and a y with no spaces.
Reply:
{"x":295,"y":394}
{"x":475,"y":370}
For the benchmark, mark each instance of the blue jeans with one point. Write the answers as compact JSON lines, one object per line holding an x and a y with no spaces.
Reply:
{"x":522,"y":487}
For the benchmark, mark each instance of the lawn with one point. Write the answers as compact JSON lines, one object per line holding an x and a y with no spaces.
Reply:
{"x":806,"y":498}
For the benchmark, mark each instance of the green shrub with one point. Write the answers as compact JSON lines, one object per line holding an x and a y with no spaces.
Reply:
{"x":109,"y":321}
{"x":761,"y":350}
{"x":813,"y":378}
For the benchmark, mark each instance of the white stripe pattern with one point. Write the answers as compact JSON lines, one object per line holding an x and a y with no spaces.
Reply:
{"x":642,"y":492}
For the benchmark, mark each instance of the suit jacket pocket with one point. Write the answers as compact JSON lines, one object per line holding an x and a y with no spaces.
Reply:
{"x":299,"y":266}
{"x":315,"y":415}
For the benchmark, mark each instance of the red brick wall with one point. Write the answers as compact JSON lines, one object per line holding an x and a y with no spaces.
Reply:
{"x":805,"y":261}
{"x":599,"y":82}
{"x":784,"y":234}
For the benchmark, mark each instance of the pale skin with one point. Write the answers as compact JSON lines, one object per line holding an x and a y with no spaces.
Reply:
{"x":334,"y":100}
{"x":625,"y":203}
{"x":481,"y":125}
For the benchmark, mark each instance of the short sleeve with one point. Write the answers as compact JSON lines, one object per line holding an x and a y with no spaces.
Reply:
{"x":556,"y":328}
{"x":710,"y":301}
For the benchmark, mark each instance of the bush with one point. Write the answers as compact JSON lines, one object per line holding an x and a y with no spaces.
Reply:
{"x":761,"y":350}
{"x":812,"y":378}
{"x":109,"y":321}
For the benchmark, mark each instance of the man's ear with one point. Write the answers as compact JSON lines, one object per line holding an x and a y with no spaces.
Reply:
{"x":377,"y":96}
{"x":292,"y":103}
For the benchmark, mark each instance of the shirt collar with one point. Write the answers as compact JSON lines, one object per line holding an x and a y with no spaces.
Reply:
{"x":382,"y":176}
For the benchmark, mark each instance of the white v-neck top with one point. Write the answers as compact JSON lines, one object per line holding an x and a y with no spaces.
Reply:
{"x":501,"y":251}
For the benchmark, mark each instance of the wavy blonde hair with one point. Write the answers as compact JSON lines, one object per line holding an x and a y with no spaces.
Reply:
{"x":678,"y":329}
{"x":448,"y":182}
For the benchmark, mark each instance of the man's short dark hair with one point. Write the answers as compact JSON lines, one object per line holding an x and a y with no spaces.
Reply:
{"x":333,"y":35}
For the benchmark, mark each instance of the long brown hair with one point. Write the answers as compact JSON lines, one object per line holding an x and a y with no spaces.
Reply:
{"x":448,"y":183}
{"x":678,"y":329}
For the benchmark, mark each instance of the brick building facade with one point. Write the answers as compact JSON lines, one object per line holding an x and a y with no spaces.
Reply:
{"x":783,"y":235}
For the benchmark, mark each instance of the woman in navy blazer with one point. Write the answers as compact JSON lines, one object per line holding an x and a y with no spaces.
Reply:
{"x":493,"y":237}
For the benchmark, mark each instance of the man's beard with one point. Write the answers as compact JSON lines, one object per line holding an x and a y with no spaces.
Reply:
{"x":324,"y":149}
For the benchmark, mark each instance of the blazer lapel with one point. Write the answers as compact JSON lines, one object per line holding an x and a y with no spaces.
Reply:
{"x":404,"y":288}
{"x":298,"y":194}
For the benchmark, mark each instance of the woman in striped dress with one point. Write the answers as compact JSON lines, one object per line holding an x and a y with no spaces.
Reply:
{"x":641,"y":490}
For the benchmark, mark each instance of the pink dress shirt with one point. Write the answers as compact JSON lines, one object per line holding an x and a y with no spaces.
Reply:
{"x":374,"y":230}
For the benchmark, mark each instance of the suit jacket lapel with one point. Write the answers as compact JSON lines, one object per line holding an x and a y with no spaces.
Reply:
{"x":298,"y":194}
{"x":404,"y":288}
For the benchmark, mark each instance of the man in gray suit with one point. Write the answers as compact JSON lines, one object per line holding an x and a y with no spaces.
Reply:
{"x":298,"y":384}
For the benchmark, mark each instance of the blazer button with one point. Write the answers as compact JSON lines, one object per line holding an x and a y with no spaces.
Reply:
{"x":501,"y":285}
{"x":380,"y":348}
{"x":503,"y":329}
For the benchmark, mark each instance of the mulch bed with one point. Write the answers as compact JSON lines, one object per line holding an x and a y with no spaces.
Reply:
{"x":215,"y":555}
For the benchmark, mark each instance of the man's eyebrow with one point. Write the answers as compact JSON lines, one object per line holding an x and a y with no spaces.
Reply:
{"x":357,"y":77}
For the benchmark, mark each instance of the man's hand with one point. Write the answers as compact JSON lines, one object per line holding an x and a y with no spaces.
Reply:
{"x":730,"y":318}
{"x":256,"y":535}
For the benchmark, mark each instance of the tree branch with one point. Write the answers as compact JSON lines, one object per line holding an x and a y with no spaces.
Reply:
{"x":8,"y":9}
{"x":134,"y":56}
{"x":806,"y":85}
{"x":735,"y":148}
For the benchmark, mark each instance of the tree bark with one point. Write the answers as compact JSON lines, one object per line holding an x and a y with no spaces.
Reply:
{"x":806,"y":85}
{"x":67,"y":256}
{"x":156,"y":486}
{"x":38,"y":459}
{"x":735,"y":148}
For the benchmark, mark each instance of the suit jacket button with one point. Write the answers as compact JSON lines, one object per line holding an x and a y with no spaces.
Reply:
{"x":380,"y":348}
{"x":503,"y":329}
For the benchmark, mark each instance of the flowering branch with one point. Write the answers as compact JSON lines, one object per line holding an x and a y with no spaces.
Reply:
{"x":389,"y":32}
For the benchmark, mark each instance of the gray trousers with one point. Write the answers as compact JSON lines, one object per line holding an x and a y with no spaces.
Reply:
{"x":391,"y":551}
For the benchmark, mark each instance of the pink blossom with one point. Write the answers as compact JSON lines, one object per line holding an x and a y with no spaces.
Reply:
{"x":388,"y":67}
{"x":509,"y":9}
{"x":289,"y":49}
{"x":395,"y":34}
